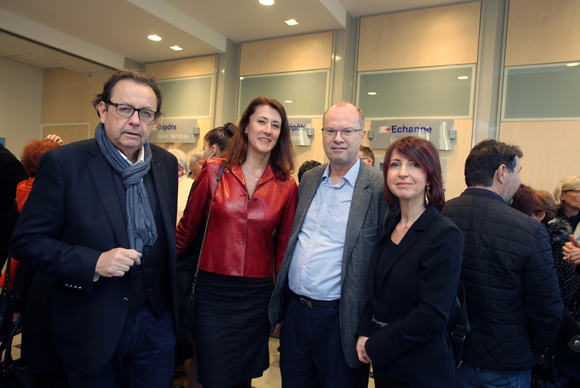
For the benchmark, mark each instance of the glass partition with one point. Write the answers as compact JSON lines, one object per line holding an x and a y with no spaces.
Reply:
{"x":541,"y":92}
{"x":187,"y":97}
{"x":303,"y":94}
{"x":434,"y":92}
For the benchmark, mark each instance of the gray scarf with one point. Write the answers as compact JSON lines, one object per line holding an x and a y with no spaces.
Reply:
{"x":141,"y":229}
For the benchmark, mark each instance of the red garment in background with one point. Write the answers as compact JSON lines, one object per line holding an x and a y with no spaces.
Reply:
{"x":22,"y":191}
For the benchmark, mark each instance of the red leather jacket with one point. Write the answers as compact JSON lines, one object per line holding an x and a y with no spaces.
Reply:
{"x":239,"y":239}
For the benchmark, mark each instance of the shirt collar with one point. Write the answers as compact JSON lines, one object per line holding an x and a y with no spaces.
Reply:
{"x":140,"y":156}
{"x":350,"y":175}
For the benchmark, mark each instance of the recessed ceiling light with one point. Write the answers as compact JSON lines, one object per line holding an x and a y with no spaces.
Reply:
{"x":266,"y":2}
{"x":241,"y":78}
{"x":291,"y":22}
{"x":154,"y":37}
{"x":462,"y":77}
{"x":288,"y":101}
{"x":176,"y":48}
{"x":372,"y":93}
{"x":572,"y":64}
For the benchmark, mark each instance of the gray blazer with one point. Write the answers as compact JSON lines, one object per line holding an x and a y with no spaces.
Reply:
{"x":366,"y":221}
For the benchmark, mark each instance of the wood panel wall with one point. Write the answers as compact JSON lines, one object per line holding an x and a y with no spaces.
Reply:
{"x":455,"y":179}
{"x":69,"y":133}
{"x":428,"y":37}
{"x":188,"y":67}
{"x":543,"y":31}
{"x":549,"y":149}
{"x":296,"y":53}
{"x":314,"y":152}
{"x":67,"y":97}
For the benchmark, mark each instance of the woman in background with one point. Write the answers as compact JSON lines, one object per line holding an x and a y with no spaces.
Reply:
{"x":413,"y":275}
{"x":567,"y":199}
{"x":216,"y":140}
{"x":248,"y":231}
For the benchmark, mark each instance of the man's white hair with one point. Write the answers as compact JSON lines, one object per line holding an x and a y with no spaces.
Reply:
{"x":181,"y":158}
{"x":195,"y":155}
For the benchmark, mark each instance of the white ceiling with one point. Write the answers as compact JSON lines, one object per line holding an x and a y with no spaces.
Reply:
{"x":108,"y":31}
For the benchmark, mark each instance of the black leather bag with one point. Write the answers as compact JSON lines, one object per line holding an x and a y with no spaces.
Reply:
{"x":546,"y":369}
{"x":458,"y":325}
{"x":13,"y":373}
{"x":187,"y":334}
{"x":569,"y":335}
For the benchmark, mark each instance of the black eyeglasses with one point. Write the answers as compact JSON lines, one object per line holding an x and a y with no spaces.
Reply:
{"x":123,"y":110}
{"x":577,"y":191}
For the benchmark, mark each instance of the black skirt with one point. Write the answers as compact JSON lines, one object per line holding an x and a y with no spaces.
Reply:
{"x":231,"y":328}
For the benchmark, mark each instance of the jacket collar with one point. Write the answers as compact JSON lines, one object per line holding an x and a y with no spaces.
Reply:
{"x":482,"y":193}
{"x":267,"y":175}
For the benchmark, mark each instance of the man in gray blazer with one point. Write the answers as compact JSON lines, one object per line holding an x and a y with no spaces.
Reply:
{"x":322,"y":284}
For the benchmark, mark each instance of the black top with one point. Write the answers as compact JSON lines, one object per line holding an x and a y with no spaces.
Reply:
{"x":573,"y":221}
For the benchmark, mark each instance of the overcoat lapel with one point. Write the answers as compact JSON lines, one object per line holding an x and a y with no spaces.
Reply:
{"x":102,"y":175}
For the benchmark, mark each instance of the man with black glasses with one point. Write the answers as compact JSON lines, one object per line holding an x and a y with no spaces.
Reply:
{"x":367,"y":155}
{"x":322,"y":284}
{"x":101,"y":219}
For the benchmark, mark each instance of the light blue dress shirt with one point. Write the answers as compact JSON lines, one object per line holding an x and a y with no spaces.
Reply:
{"x":316,"y":265}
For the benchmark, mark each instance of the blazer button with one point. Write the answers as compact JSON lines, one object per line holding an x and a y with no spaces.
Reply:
{"x":240,"y":242}
{"x":125,"y":299}
{"x":243,"y":218}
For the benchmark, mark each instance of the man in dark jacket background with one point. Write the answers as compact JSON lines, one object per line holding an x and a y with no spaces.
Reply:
{"x":512,"y":293}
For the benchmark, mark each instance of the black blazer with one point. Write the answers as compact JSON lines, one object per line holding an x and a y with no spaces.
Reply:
{"x":415,"y":293}
{"x":75,"y":212}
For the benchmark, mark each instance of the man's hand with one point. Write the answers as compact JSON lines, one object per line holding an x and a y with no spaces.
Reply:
{"x":275,"y":329}
{"x":54,"y":138}
{"x":361,"y":351}
{"x":117,"y":261}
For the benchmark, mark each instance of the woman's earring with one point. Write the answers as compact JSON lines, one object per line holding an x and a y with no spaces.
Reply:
{"x":427,"y":194}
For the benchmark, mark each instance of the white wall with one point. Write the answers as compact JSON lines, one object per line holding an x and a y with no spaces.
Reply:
{"x":20,"y":103}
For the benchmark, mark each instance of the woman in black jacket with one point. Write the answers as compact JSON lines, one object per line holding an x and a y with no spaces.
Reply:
{"x":413,"y":275}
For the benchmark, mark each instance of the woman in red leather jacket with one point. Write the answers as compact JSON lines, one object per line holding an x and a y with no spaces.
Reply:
{"x":246,"y":237}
